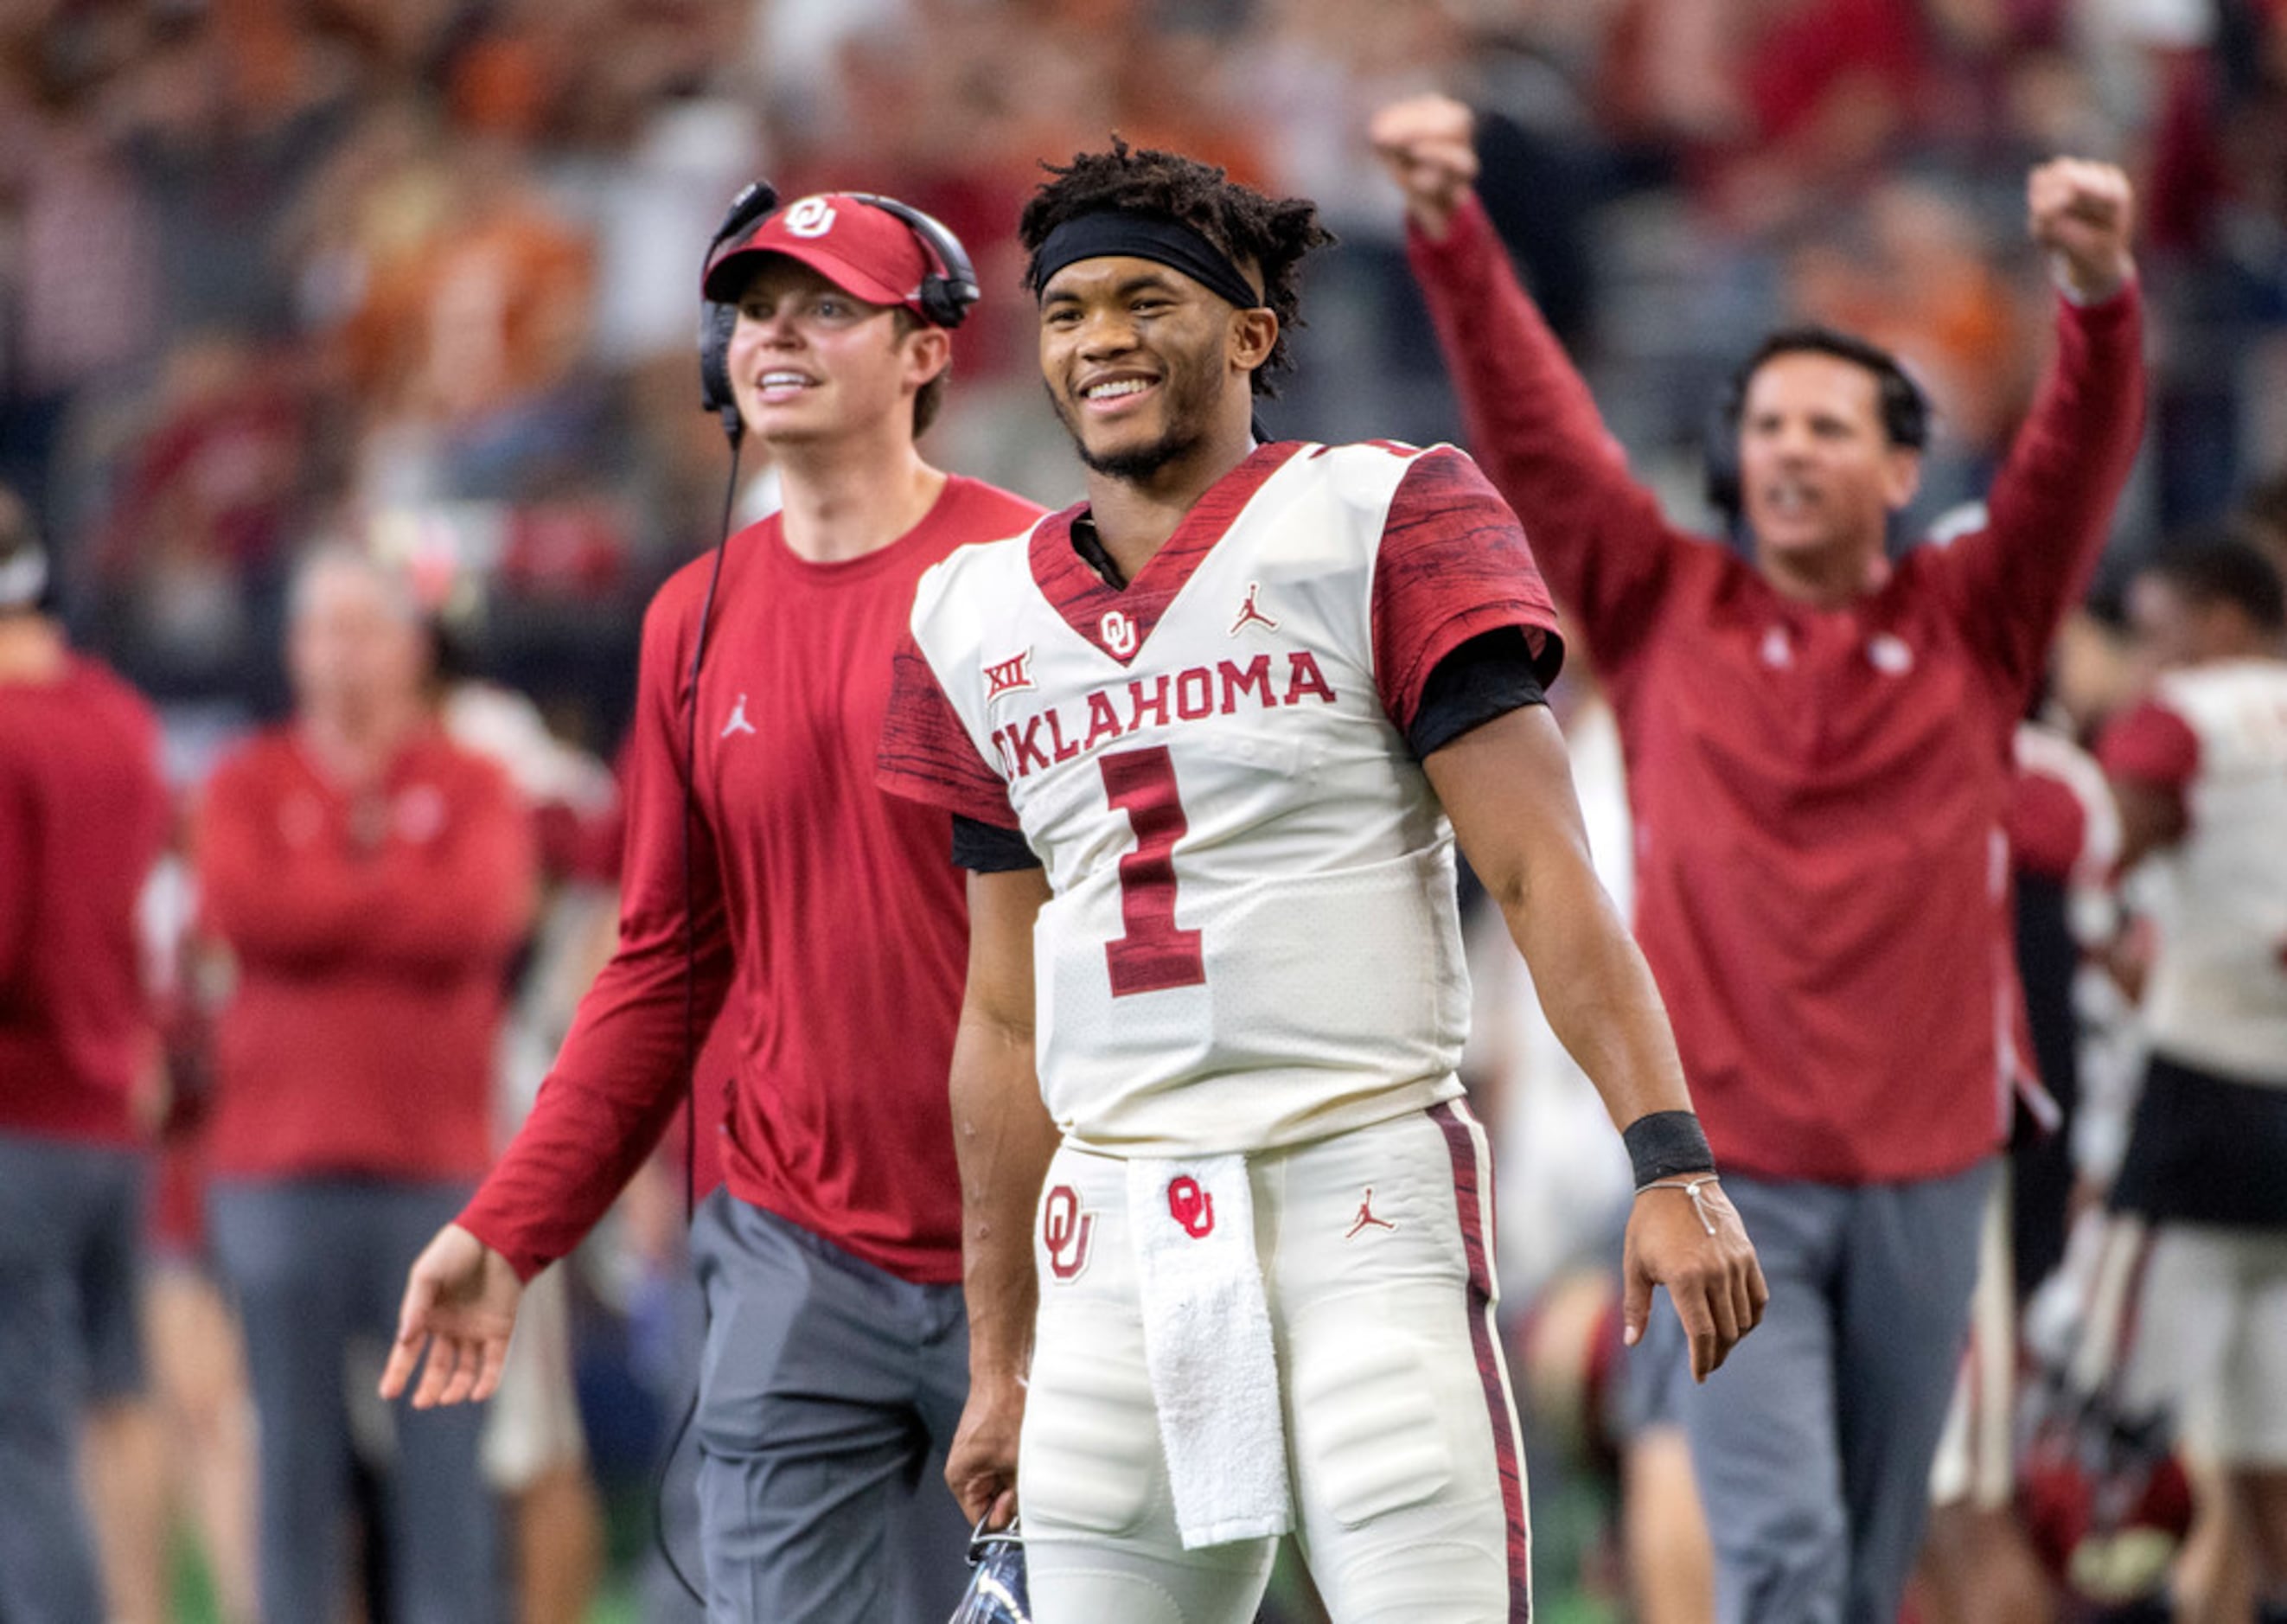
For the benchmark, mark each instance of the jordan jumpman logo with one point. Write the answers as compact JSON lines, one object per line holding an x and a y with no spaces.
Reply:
{"x":738,"y":724}
{"x":1251,"y":616}
{"x":1365,"y":1218}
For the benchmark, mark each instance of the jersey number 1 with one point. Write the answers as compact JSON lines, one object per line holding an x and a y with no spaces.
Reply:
{"x":1153,"y":955}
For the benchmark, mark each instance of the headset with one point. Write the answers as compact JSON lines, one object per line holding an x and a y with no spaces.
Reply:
{"x":948,"y":289}
{"x":1899,"y":401}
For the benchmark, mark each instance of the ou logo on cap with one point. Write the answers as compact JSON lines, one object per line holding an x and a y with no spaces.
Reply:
{"x":812,"y":216}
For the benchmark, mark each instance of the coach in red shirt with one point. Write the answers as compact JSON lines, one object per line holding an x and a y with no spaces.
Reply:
{"x":1817,"y":740}
{"x":82,"y":819}
{"x":371,"y":880}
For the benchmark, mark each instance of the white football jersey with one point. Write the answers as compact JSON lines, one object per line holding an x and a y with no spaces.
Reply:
{"x":1252,"y":940}
{"x":2216,"y":997}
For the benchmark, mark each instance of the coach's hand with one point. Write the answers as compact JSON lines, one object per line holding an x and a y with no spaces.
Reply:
{"x":1715,"y":1281}
{"x":2083,"y":212}
{"x":1429,"y":144}
{"x":980,"y":1468}
{"x":461,"y":1301}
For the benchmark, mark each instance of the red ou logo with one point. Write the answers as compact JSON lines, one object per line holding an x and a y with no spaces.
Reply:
{"x":1066,"y":1229}
{"x":1191,"y":1206}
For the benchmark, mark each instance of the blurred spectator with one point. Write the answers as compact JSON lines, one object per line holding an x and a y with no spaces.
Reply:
{"x":370,"y":880}
{"x":79,"y":253}
{"x":189,"y":561}
{"x":83,"y":816}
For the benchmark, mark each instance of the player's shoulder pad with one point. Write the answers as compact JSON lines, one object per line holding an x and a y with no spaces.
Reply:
{"x":973,"y":577}
{"x":1366,"y":473}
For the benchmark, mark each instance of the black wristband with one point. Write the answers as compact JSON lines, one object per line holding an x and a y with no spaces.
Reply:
{"x":1663,"y":1144}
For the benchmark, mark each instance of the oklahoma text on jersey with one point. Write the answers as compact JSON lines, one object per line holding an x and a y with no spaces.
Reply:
{"x":1116,"y":710}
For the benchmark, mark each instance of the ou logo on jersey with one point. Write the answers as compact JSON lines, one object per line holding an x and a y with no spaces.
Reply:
{"x":1066,"y":1228}
{"x":812,"y":216}
{"x":1119,"y":632}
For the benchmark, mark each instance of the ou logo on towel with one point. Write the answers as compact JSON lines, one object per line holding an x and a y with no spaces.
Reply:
{"x":1190,"y":1206}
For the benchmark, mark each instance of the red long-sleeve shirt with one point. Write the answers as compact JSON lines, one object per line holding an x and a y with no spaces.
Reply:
{"x":372,"y":936}
{"x":836,"y":908}
{"x":82,"y":819}
{"x":1819,"y":794}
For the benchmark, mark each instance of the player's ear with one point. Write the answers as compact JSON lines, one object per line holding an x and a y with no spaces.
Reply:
{"x":1253,"y":334}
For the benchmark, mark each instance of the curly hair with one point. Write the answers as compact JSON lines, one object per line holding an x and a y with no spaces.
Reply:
{"x":1268,"y":234}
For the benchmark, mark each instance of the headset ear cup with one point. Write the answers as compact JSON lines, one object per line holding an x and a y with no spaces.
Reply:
{"x":947,"y":292}
{"x":716,"y":322}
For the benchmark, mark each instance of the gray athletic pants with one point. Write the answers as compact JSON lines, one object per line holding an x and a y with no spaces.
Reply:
{"x":1812,"y":1446}
{"x":828,"y":1391}
{"x":70,"y":1237}
{"x":315,"y":1266}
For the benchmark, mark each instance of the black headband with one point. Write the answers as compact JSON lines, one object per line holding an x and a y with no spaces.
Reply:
{"x":1142,"y":236}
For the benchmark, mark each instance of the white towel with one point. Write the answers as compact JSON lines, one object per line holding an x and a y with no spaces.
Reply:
{"x":1207,"y":1342}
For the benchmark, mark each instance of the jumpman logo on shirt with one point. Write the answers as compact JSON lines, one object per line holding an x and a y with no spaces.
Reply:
{"x":1250,"y":615}
{"x":1365,"y":1218}
{"x":738,"y":724}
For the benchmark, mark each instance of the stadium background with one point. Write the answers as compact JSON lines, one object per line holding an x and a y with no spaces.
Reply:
{"x":420,"y":273}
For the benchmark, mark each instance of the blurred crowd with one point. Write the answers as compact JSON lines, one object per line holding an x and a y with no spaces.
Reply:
{"x":422,"y":275}
{"x":418,"y":278}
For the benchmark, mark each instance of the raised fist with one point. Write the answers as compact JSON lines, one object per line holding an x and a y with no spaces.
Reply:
{"x":1429,"y":144}
{"x":2082,"y":212}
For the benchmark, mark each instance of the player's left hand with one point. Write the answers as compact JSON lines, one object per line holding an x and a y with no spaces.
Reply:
{"x":1715,"y":1281}
{"x":2083,"y":212}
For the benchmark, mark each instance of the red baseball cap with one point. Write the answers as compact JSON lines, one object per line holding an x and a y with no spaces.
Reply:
{"x":866,"y":252}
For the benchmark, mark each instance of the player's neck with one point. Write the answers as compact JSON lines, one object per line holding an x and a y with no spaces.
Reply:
{"x":31,"y":649}
{"x":844,"y":499}
{"x":1135,"y":518}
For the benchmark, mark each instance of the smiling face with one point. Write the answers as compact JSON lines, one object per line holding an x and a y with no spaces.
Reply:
{"x":811,"y":363}
{"x":1819,"y":474}
{"x":1143,"y":365}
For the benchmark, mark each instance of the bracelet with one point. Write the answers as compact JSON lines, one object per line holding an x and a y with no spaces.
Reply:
{"x":1690,"y":1187}
{"x":1664,"y":1145}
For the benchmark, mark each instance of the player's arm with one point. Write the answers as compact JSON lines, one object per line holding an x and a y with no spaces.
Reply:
{"x":1002,"y":1139}
{"x":1507,"y":785}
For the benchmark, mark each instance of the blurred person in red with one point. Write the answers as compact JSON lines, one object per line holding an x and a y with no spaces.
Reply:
{"x":370,"y":880}
{"x":1819,"y":742}
{"x":84,"y":817}
{"x":836,"y":1358}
